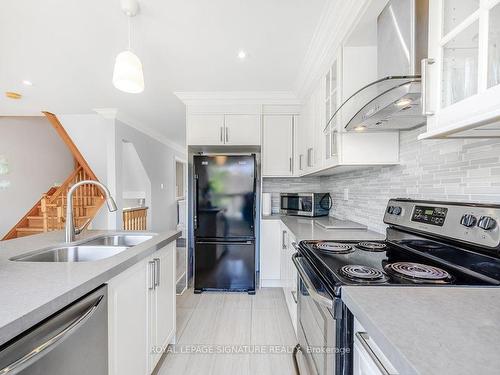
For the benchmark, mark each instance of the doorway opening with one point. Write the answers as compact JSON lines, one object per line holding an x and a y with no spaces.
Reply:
{"x":180,"y":198}
{"x":136,"y":190}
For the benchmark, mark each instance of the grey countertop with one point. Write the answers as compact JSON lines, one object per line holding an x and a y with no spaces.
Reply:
{"x":305,"y":228}
{"x":431,"y":330}
{"x":32,"y":291}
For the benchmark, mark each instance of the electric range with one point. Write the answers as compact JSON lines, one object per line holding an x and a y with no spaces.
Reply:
{"x":428,"y":243}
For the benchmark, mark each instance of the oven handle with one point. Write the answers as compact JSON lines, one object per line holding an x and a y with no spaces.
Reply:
{"x":328,"y":302}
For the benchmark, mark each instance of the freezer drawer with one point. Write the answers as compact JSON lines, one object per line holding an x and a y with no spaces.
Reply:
{"x":73,"y":341}
{"x":226,"y":266}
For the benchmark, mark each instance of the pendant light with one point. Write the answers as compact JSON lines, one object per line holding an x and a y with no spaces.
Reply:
{"x":127,"y":74}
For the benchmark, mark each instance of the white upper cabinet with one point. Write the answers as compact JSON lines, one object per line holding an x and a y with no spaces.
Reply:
{"x":277,"y":146}
{"x":205,"y":129}
{"x":462,"y":74}
{"x":332,"y":97}
{"x":220,"y":129}
{"x":242,"y":130}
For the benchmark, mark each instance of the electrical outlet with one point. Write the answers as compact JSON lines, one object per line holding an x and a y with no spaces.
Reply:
{"x":346,"y":194}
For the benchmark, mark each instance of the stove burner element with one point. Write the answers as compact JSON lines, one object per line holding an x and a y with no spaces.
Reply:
{"x":418,"y":272}
{"x":334,"y":247}
{"x":372,"y":246}
{"x":362,"y":273}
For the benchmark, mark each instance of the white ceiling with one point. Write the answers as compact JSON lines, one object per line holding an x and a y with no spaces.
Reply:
{"x":67,"y":49}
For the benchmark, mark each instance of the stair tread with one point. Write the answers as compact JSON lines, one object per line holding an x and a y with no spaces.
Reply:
{"x":29,"y":229}
{"x":54,"y":217}
{"x":51,"y":205}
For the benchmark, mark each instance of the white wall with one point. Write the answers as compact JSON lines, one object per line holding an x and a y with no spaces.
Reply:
{"x":94,"y":136}
{"x":135,"y":178}
{"x":38,"y":159}
{"x":100,"y":142}
{"x":158,"y":160}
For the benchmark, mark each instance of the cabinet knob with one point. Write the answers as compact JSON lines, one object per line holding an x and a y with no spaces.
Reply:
{"x":468,"y":220}
{"x":487,"y":223}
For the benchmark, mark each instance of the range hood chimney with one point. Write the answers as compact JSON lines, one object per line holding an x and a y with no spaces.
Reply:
{"x":393,"y":101}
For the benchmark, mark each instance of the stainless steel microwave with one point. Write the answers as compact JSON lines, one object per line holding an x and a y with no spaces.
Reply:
{"x":305,"y":204}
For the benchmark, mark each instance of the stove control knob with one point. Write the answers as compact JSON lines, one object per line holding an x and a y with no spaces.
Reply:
{"x":487,"y":223}
{"x":390,"y":209}
{"x":397,"y":210}
{"x":468,"y":220}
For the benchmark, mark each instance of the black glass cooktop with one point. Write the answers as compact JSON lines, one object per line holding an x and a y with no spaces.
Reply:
{"x":409,"y":262}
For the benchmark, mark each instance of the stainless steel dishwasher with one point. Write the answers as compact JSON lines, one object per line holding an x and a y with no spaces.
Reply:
{"x":72,"y":341}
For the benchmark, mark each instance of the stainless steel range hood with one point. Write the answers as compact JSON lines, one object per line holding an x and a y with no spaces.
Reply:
{"x":394,"y":100}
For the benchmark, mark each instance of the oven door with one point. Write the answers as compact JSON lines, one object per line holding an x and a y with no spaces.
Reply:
{"x":317,"y":328}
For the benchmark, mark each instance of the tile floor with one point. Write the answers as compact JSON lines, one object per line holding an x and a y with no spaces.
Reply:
{"x":216,"y":321}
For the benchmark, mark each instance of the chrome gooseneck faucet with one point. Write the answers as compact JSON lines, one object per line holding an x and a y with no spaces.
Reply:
{"x":70,"y":229}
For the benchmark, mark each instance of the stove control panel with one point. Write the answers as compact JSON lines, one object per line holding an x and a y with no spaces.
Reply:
{"x":429,"y":215}
{"x":477,"y":224}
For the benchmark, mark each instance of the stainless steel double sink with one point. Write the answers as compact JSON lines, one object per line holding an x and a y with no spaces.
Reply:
{"x":87,"y":251}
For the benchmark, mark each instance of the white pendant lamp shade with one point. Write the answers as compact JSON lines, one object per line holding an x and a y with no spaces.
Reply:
{"x":128,"y":75}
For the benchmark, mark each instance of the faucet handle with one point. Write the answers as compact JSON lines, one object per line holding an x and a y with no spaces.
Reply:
{"x":82,"y":228}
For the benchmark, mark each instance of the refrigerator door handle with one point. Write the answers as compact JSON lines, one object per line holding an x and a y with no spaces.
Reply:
{"x":195,"y":203}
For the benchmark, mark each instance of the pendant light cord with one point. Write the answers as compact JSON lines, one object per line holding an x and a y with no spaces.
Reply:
{"x":129,"y":32}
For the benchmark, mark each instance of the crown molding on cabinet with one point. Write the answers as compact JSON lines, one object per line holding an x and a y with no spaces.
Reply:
{"x":336,"y":22}
{"x":114,"y":114}
{"x":195,"y":98}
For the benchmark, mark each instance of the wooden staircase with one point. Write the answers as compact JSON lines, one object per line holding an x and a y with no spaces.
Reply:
{"x":49,"y":212}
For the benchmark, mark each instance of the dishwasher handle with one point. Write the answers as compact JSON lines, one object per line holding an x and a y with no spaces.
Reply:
{"x":315,"y":295}
{"x":42,"y":349}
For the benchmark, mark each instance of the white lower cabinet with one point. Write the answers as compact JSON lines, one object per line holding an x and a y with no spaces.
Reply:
{"x":368,"y":358}
{"x":162,"y":303}
{"x":289,"y":274}
{"x":271,"y":243}
{"x":128,"y":322}
{"x":141,"y":313}
{"x":276,"y":265}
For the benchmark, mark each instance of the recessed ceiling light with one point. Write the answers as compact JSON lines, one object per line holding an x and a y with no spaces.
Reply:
{"x":403,"y":102}
{"x":242,"y":55}
{"x":27,"y":82}
{"x":360,"y":128}
{"x":13,"y":95}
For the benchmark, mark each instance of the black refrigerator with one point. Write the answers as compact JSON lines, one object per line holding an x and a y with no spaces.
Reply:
{"x":224,"y":223}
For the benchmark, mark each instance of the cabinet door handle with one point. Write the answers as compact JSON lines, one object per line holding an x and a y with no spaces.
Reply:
{"x":283,"y":240}
{"x":295,"y":351}
{"x":291,"y":166}
{"x":300,"y":161}
{"x":157,"y":271}
{"x":227,"y":134}
{"x":363,"y":340}
{"x":309,"y":157}
{"x":152,"y":281}
{"x":423,"y":67}
{"x":294,"y":295}
{"x":222,"y":134}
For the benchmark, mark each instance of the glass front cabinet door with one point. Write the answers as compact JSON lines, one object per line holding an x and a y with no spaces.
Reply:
{"x":461,"y":76}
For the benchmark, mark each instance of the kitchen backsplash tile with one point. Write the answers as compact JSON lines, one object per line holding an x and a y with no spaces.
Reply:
{"x":458,"y":170}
